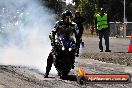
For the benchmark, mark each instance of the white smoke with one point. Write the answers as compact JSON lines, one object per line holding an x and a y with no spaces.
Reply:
{"x":24,"y":30}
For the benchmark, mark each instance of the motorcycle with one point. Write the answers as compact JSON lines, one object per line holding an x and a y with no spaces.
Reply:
{"x":65,"y":50}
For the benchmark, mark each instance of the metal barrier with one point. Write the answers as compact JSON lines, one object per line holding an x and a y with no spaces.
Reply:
{"x":119,"y":29}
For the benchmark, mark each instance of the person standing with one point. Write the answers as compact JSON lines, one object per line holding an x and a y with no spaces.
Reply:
{"x":102,"y":26}
{"x":79,"y":20}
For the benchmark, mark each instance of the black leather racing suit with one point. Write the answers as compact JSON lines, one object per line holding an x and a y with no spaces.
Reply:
{"x":64,"y":30}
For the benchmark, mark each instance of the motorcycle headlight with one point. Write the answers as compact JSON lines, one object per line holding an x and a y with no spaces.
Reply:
{"x":56,"y":41}
{"x":63,"y":48}
{"x":70,"y":49}
{"x":60,"y":38}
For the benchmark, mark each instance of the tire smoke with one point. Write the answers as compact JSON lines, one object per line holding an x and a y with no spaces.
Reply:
{"x":24,"y":30}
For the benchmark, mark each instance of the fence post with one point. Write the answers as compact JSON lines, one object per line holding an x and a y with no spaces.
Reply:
{"x":124,"y":35}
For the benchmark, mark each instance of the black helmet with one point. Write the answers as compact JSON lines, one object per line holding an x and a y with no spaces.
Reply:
{"x":66,"y":13}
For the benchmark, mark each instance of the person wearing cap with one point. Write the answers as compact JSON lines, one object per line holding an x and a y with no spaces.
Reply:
{"x":102,"y":26}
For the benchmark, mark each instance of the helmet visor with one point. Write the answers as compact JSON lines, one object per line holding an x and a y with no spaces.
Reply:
{"x":68,"y":19}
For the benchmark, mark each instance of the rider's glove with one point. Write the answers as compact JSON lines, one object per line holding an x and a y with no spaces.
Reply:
{"x":53,"y":42}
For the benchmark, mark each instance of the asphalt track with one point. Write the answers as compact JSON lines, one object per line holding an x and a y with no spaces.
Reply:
{"x":116,"y":62}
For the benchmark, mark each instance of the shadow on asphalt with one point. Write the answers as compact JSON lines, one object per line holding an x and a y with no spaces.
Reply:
{"x":71,"y":78}
{"x":121,"y":52}
{"x":51,"y":77}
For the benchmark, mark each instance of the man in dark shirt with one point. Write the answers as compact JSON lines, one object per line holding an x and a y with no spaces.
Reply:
{"x":79,"y":20}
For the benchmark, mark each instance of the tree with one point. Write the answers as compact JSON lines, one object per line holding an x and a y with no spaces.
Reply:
{"x":76,"y":3}
{"x":56,"y":5}
{"x":116,"y":10}
{"x":70,"y":7}
{"x":129,"y":10}
{"x":87,"y":9}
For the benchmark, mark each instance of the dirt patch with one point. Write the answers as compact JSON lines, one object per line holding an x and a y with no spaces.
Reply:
{"x":116,"y":58}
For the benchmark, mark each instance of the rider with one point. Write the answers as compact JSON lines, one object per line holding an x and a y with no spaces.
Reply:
{"x":65,"y":28}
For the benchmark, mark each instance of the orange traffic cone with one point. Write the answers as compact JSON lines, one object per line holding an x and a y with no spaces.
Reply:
{"x":130,"y":46}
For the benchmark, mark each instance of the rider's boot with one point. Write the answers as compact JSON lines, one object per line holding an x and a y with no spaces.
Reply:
{"x":77,"y":53}
{"x":46,"y":74}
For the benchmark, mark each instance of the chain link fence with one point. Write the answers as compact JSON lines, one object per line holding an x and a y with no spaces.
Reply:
{"x":119,"y":29}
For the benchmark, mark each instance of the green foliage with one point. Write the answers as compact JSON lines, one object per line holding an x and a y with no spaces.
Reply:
{"x":116,"y":10}
{"x":76,"y":3}
{"x":87,"y":9}
{"x":129,"y":10}
{"x":56,"y":5}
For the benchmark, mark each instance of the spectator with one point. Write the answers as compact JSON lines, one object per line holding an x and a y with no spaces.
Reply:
{"x":102,"y":26}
